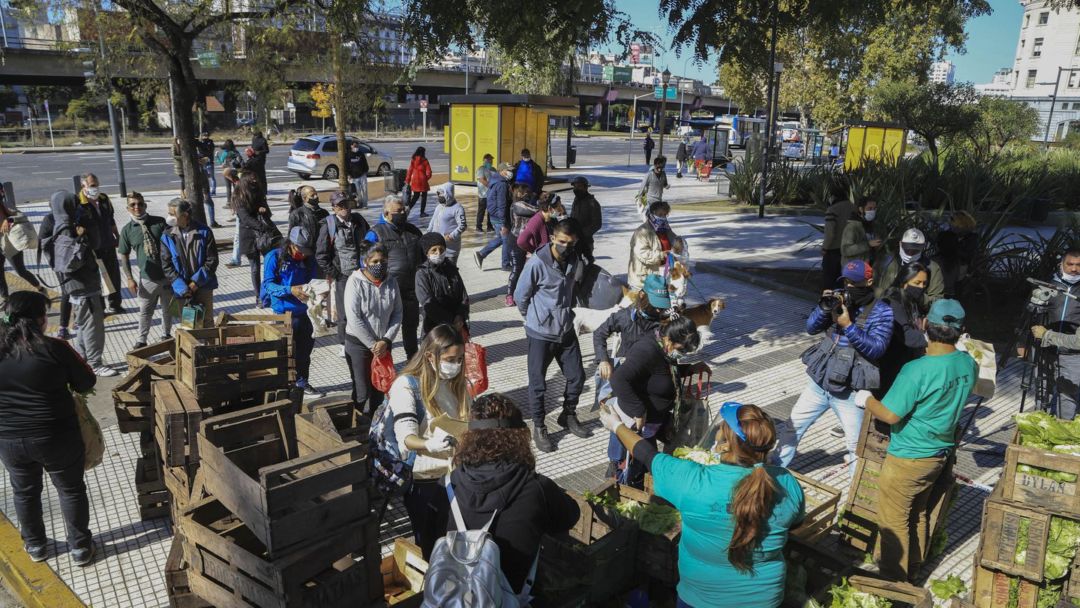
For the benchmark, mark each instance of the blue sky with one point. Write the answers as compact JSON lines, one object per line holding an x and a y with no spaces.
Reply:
{"x":990,"y":46}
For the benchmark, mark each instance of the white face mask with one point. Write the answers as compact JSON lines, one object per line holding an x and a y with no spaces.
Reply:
{"x":449,"y":371}
{"x":170,"y":220}
{"x":871,"y":214}
{"x":907,"y":259}
{"x":560,"y":217}
{"x":1071,"y":279}
{"x":92,"y":192}
{"x":436,"y":259}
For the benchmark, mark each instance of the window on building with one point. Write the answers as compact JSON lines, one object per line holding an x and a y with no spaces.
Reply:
{"x":1027,"y":20}
{"x":1036,"y":48}
{"x":1022,"y":41}
{"x":1044,"y":18}
{"x":1030,"y":82}
{"x":1077,"y":51}
{"x":1074,"y":79}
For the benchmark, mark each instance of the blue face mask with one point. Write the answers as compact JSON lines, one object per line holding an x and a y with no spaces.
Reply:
{"x":659,"y":224}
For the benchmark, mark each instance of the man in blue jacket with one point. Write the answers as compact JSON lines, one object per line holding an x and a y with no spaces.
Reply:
{"x":857,"y":331}
{"x":286,"y":270}
{"x":498,"y":205}
{"x":545,"y":297}
{"x":189,"y":258}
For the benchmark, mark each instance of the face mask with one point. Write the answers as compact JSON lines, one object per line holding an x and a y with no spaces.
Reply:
{"x":861,"y":295}
{"x":912,"y":292}
{"x":444,"y":200}
{"x":1071,"y":279}
{"x":448,"y":371}
{"x":560,"y":217}
{"x":297,"y":256}
{"x":91,"y":192}
{"x":355,"y":150}
{"x":659,"y":224}
{"x":564,"y":251}
{"x":397,"y":219}
{"x":437,"y":259}
{"x":170,"y":220}
{"x":871,"y":214}
{"x":905,"y":258}
{"x":377,"y":271}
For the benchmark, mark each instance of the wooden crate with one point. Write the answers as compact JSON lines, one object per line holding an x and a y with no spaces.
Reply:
{"x":403,"y":575}
{"x":900,"y":594}
{"x":992,"y":589}
{"x":873,"y":439}
{"x":223,"y":363}
{"x":347,"y":421}
{"x":161,"y":356}
{"x":249,"y":462}
{"x":230,"y":567}
{"x":176,"y":579}
{"x":1001,"y":524}
{"x":153,"y":496}
{"x":656,"y":555}
{"x":1060,"y":497}
{"x":319,"y":430}
{"x":177,"y":415}
{"x":822,"y":507}
{"x":823,"y":568}
{"x":592,"y":558}
{"x":133,"y":400}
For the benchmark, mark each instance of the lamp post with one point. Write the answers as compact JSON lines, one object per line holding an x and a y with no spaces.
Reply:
{"x":665,"y":78}
{"x":1053,"y":102}
{"x":633,"y":124}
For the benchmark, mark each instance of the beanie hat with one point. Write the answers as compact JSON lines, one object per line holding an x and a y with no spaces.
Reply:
{"x":430,"y":240}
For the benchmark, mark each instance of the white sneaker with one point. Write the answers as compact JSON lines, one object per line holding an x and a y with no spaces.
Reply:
{"x":104,"y":371}
{"x":341,"y":351}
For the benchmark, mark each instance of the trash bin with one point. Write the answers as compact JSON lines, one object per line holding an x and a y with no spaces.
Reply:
{"x":394,"y":181}
{"x":571,"y":156}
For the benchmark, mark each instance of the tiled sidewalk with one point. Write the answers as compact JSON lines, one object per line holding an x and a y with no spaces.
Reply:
{"x":754,"y":356}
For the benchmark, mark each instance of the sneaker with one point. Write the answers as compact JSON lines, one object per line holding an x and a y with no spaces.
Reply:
{"x":510,"y":301}
{"x":165,"y":337}
{"x":114,"y":310}
{"x":104,"y":371}
{"x":341,"y":351}
{"x":507,"y":268}
{"x":82,"y":557}
{"x":39,"y":553}
{"x":478,"y":259}
{"x":837,"y":431}
{"x":311,"y":391}
{"x":422,"y":214}
{"x":216,"y":225}
{"x":570,"y":422}
{"x":232,"y":264}
{"x":540,"y":437}
{"x":139,"y":344}
{"x":63,"y":333}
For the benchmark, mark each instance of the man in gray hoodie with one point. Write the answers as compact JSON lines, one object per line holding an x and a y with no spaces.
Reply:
{"x":545,"y":297}
{"x":72,"y":246}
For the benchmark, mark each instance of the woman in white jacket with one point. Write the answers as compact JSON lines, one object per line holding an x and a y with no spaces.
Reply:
{"x":448,"y":219}
{"x":432,"y":384}
{"x":372,"y":321}
{"x":650,"y":245}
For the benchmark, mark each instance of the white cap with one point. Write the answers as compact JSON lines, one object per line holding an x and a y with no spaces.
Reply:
{"x":914,"y":236}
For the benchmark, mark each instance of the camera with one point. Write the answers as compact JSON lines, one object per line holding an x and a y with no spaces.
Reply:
{"x":833,"y":302}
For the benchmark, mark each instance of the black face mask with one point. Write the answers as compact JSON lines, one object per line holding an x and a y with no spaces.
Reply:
{"x":914,"y":293}
{"x":398,"y":219}
{"x":861,"y":296}
{"x":565,"y":251}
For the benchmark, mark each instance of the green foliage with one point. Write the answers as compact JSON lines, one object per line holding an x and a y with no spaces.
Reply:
{"x":952,"y":586}
{"x":1000,"y":122}
{"x":934,"y":111}
{"x":745,"y":181}
{"x":846,"y":596}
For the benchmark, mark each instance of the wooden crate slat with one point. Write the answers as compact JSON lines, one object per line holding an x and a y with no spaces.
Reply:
{"x":1001,"y":525}
{"x":823,"y":505}
{"x":176,"y":418}
{"x":916,"y":597}
{"x":1060,"y":497}
{"x":162,"y":354}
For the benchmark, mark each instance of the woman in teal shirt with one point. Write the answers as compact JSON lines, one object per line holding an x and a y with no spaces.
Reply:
{"x":735,"y":515}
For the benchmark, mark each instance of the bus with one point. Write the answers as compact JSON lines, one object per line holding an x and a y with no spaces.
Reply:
{"x":741,"y":128}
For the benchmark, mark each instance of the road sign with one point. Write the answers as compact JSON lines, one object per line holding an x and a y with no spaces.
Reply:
{"x":423,"y":110}
{"x":209,"y":59}
{"x":423,"y":104}
{"x":658,"y":92}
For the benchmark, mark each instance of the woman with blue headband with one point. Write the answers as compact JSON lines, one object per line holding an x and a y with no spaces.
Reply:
{"x":735,"y":560}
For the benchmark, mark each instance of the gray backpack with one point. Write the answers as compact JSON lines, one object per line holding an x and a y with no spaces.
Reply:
{"x":465,"y":572}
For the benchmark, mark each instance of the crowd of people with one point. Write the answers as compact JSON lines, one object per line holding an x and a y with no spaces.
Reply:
{"x":889,"y":335}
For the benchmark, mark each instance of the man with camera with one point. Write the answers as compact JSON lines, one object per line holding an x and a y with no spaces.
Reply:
{"x":857,"y":331}
{"x":1063,"y":314}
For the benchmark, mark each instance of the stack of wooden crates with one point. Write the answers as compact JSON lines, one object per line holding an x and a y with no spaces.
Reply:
{"x":1009,"y":568}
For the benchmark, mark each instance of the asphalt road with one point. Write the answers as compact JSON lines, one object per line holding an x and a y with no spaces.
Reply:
{"x":37,"y":176}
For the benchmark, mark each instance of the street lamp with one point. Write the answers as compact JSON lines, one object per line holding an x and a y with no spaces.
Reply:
{"x":1053,"y":102}
{"x":665,"y":78}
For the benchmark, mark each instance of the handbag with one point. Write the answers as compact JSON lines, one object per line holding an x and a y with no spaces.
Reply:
{"x":692,"y":418}
{"x":93,"y":438}
{"x":383,"y":373}
{"x":192,"y":316}
{"x":476,"y":368}
{"x":268,"y":236}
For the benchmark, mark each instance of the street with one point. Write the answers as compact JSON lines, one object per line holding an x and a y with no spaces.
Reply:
{"x":37,"y":176}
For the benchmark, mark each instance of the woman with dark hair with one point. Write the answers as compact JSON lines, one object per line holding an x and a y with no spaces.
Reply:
{"x":372,"y":321}
{"x":646,"y":385}
{"x":495,"y":470}
{"x":521,"y":211}
{"x":439,"y":287}
{"x":908,"y":341}
{"x":39,"y":429}
{"x":537,"y":231}
{"x":418,"y":177}
{"x":430,"y":386}
{"x":737,"y":557}
{"x":252,"y":218}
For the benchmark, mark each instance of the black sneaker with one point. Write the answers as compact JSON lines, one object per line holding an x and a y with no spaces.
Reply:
{"x":216,"y":225}
{"x":139,"y":344}
{"x":478,"y":260}
{"x":570,"y":422}
{"x":82,"y":557}
{"x":114,"y":310}
{"x":837,"y":431}
{"x":311,"y":391}
{"x":39,"y":553}
{"x":541,"y":439}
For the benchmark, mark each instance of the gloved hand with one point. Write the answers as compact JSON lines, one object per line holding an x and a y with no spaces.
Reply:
{"x":440,"y":441}
{"x":609,"y":419}
{"x":861,"y":397}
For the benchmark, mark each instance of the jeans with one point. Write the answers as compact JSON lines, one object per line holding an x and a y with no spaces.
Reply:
{"x":112,"y":273}
{"x":150,"y":292}
{"x":422,"y":197}
{"x":359,"y":358}
{"x":428,"y":507}
{"x":812,"y":403}
{"x":208,"y":168}
{"x":410,"y":322}
{"x":255,"y":269}
{"x":209,"y":207}
{"x":235,"y":259}
{"x":1067,"y":385}
{"x":568,"y":355}
{"x":20,"y":269}
{"x":303,"y":343}
{"x":360,"y":185}
{"x":648,"y":156}
{"x":481,"y":211}
{"x":497,"y":241}
{"x":90,"y":317}
{"x":62,"y":457}
{"x":910,"y":489}
{"x":517,"y":264}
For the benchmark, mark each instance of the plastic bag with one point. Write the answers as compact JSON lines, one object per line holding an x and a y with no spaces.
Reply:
{"x":692,"y":418}
{"x":93,"y":439}
{"x":476,"y":371}
{"x":984,"y":355}
{"x":383,"y":373}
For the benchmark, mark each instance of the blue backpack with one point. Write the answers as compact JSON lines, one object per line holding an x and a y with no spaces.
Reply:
{"x":524,"y":173}
{"x":393,"y":472}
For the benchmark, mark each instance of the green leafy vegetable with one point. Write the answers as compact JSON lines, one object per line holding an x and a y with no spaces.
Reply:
{"x":1061,"y":546}
{"x":698,"y":455}
{"x":1049,"y":596}
{"x":949,"y":587}
{"x":846,"y":596}
{"x":1020,"y":557}
{"x":939,"y":542}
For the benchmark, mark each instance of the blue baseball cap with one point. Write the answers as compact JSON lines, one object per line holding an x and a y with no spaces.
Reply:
{"x":857,"y":271}
{"x":947,"y":312}
{"x":656,"y":289}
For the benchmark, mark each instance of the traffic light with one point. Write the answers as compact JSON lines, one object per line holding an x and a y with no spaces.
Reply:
{"x":90,"y":64}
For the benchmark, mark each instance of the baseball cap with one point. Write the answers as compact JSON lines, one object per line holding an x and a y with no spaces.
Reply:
{"x":299,"y":236}
{"x":857,"y":271}
{"x":581,"y":179}
{"x":339,"y":199}
{"x":914,"y":236}
{"x":656,"y":290}
{"x":947,"y":312}
{"x":505,"y":166}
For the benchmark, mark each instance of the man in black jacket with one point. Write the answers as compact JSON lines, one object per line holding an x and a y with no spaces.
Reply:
{"x":99,"y":206}
{"x":338,"y":251}
{"x":258,"y":162}
{"x":401,"y":240}
{"x":586,"y":210}
{"x":439,"y":288}
{"x":356,"y":167}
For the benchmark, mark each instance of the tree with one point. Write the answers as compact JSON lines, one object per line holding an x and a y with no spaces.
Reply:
{"x":320,"y":96}
{"x":78,"y":110}
{"x":1001,"y":122}
{"x":935,"y":111}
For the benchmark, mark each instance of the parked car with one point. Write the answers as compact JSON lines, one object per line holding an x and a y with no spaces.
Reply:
{"x":318,"y":154}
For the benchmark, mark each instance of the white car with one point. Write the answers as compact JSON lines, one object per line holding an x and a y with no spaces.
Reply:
{"x":318,"y":154}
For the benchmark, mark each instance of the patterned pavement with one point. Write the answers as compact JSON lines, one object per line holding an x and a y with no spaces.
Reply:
{"x":754,"y":355}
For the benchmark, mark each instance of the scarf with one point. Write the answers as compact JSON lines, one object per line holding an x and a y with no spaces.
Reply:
{"x":151,"y":252}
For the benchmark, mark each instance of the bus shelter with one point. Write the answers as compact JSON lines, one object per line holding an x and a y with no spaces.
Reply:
{"x":499,"y":125}
{"x":716,"y":134}
{"x":873,"y":141}
{"x":809,"y":145}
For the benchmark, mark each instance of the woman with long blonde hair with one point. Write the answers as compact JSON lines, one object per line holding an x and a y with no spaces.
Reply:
{"x":736,"y":560}
{"x":430,"y":385}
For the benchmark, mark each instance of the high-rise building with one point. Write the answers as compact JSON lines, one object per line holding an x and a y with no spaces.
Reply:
{"x":1048,"y":58}
{"x":943,"y":72}
{"x":999,"y":86}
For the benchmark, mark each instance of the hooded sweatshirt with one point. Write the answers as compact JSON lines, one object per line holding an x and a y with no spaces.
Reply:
{"x":449,"y":220}
{"x":73,"y":256}
{"x":545,"y":295}
{"x":498,"y":197}
{"x":529,"y":504}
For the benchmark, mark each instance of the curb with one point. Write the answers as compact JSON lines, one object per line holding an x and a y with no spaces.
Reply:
{"x":166,"y":146}
{"x":757,"y":281}
{"x":34,"y":584}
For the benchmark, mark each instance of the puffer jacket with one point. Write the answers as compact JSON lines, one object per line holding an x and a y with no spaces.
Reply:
{"x":206,"y":262}
{"x":520,"y":214}
{"x":870,"y":341}
{"x":545,"y":295}
{"x":630,"y":324}
{"x":73,"y":257}
{"x":498,"y":197}
{"x":441,"y":294}
{"x":419,"y":175}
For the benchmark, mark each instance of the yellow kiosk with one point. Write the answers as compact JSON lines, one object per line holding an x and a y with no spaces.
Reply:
{"x":873,"y":141}
{"x":499,"y":125}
